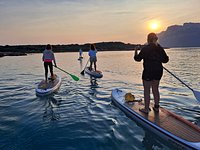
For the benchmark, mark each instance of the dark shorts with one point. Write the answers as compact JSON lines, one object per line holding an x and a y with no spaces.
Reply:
{"x":93,"y":59}
{"x":152,"y":75}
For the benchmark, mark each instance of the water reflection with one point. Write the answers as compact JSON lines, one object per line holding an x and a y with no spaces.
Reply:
{"x":81,"y":63}
{"x":93,"y":86}
{"x":51,"y":107}
{"x":93,"y":81}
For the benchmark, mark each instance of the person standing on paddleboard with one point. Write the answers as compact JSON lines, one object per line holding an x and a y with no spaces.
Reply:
{"x":93,"y":58}
{"x":48,"y":57}
{"x":80,"y":53}
{"x":153,"y":56}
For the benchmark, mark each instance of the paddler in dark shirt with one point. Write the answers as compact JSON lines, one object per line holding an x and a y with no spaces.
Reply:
{"x":153,"y":56}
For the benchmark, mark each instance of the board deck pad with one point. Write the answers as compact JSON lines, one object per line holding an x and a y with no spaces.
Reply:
{"x":50,"y":83}
{"x":169,"y":121}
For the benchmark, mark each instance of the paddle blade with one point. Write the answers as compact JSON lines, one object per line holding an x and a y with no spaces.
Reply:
{"x":74,"y":77}
{"x":82,"y":72}
{"x":197,"y":95}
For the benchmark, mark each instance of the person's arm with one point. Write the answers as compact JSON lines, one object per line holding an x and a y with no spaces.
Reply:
{"x":136,"y":53}
{"x":137,"y":57}
{"x":89,"y":53}
{"x":43,"y":56}
{"x":55,"y":63}
{"x":54,"y":60}
{"x":165,"y":58}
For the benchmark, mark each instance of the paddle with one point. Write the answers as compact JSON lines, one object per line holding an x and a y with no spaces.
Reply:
{"x":82,"y":72}
{"x":196,"y":93}
{"x":73,"y":76}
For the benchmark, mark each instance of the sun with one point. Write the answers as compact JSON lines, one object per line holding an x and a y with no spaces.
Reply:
{"x":154,"y":25}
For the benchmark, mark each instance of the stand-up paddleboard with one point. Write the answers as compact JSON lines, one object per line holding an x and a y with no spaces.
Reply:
{"x":50,"y":87}
{"x":179,"y":132}
{"x":95,"y":74}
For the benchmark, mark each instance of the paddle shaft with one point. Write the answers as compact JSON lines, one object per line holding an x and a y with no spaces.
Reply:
{"x":73,"y":76}
{"x":178,"y":78}
{"x":86,"y":63}
{"x":82,"y":72}
{"x":63,"y":70}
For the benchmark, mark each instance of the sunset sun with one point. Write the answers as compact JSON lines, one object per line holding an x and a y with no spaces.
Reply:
{"x":154,"y":25}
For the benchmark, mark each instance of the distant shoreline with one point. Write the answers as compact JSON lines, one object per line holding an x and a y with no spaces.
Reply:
{"x":19,"y":50}
{"x":23,"y":50}
{"x":2,"y":54}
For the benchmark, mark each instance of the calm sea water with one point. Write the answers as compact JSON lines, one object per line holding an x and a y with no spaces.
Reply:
{"x":81,"y":116}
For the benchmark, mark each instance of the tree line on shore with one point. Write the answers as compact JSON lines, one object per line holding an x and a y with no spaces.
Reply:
{"x":102,"y":46}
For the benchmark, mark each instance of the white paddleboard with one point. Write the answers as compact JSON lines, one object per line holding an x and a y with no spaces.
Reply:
{"x":48,"y":88}
{"x":178,"y":131}
{"x":95,"y":74}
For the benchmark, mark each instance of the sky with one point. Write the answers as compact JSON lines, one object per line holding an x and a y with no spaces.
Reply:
{"x":32,"y":22}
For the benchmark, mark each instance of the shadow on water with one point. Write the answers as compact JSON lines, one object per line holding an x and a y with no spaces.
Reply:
{"x":154,"y":141}
{"x":150,"y":141}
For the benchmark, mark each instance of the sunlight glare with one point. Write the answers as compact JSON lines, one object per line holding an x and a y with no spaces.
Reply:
{"x":154,"y":25}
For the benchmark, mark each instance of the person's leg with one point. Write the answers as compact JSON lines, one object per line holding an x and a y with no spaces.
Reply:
{"x":156,"y":94}
{"x":90,"y":65}
{"x":95,"y":67}
{"x":46,"y":70}
{"x":51,"y":69}
{"x":147,"y":86}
